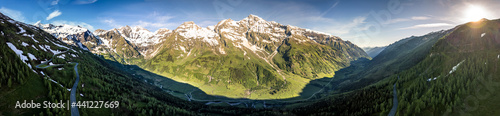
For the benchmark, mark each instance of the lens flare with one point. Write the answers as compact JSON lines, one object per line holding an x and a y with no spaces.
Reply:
{"x":475,"y":13}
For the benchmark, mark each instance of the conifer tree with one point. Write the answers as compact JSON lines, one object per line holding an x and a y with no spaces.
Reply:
{"x":9,"y":83}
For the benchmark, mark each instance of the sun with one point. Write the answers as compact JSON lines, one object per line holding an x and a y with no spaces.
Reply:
{"x":475,"y":13}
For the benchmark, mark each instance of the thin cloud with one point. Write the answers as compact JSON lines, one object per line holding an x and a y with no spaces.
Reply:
{"x":111,"y":22}
{"x":348,"y":27}
{"x":415,"y":18}
{"x":55,"y":2}
{"x":430,"y":25}
{"x":159,"y":21}
{"x":397,"y":20}
{"x":329,"y":9}
{"x":420,"y":18}
{"x":14,"y":14}
{"x":207,"y":23}
{"x":310,"y":17}
{"x":146,"y":24}
{"x":84,"y":1}
{"x":53,"y":14}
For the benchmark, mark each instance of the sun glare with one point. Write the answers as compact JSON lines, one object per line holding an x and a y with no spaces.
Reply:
{"x":474,"y":13}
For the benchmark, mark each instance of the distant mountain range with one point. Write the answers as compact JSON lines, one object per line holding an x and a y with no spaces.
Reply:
{"x":373,"y":51}
{"x":251,"y":55}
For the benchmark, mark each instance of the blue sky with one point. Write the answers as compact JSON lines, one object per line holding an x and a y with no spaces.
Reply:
{"x":363,"y":22}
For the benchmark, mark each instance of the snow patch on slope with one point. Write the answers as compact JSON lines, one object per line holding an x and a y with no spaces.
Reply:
{"x":41,"y":47}
{"x":22,"y":29}
{"x":59,"y":45}
{"x":182,"y":48}
{"x":19,"y":53}
{"x":53,"y":51}
{"x":221,"y":50}
{"x":81,"y":46}
{"x":31,"y":56}
{"x":61,"y":56}
{"x":24,"y":44}
{"x":432,"y":79}
{"x":455,"y":67}
{"x":34,"y":47}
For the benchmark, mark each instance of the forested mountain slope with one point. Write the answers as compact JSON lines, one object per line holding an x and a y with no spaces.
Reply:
{"x":396,"y":57}
{"x":462,"y":68}
{"x":458,"y":76}
{"x":27,"y":73}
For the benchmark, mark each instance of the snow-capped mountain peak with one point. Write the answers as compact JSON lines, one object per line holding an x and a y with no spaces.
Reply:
{"x":254,"y":18}
{"x":139,"y":28}
{"x":126,"y":27}
{"x":190,"y":25}
{"x":70,"y":34}
{"x":192,"y":31}
{"x":162,"y":31}
{"x":137,"y":35}
{"x":61,"y":31}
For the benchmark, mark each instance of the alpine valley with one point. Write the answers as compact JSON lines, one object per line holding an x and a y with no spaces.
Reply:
{"x":251,"y":58}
